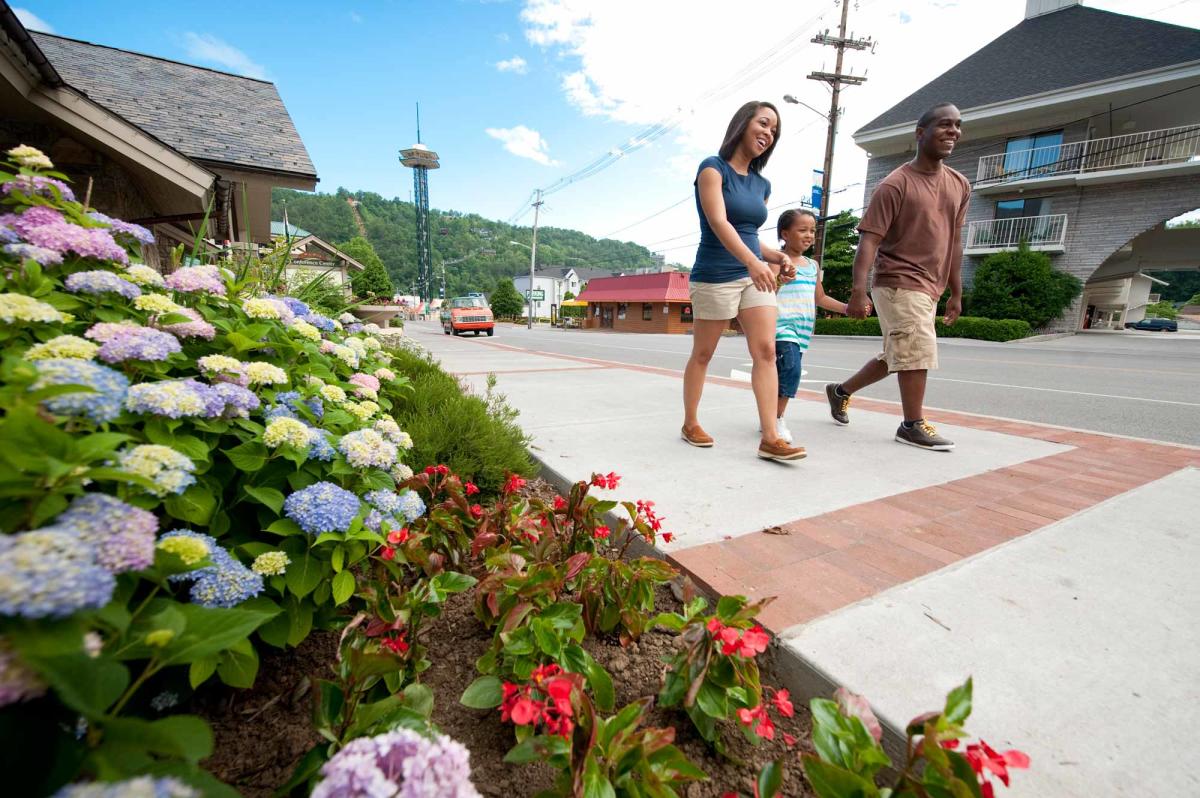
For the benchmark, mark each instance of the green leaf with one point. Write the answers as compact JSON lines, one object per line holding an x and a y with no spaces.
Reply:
{"x":195,"y":449}
{"x":343,"y":587}
{"x":239,"y":664}
{"x":712,"y":701}
{"x":306,"y":769}
{"x":451,"y":582}
{"x":211,"y":630}
{"x":249,"y":457}
{"x":770,"y":779}
{"x":201,"y":669}
{"x":486,"y":692}
{"x":958,"y":702}
{"x":601,"y":684}
{"x":304,"y":574}
{"x":419,"y":698}
{"x":195,"y":505}
{"x":185,"y":737}
{"x":728,"y":606}
{"x":595,"y":781}
{"x":88,"y":686}
{"x":831,"y":781}
{"x":268,"y":496}
{"x":542,"y":747}
{"x":301,"y":616}
{"x":98,"y":446}
{"x":285,"y":527}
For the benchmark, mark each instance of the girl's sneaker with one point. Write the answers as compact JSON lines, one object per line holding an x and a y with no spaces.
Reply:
{"x":782,"y":431}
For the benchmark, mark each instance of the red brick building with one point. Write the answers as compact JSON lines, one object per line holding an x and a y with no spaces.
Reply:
{"x":649,"y":303}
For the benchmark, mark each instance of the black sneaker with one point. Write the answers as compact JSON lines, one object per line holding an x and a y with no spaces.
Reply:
{"x":923,"y":435}
{"x":838,"y":404}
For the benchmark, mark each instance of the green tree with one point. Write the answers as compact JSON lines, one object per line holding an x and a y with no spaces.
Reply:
{"x":373,"y":281}
{"x":1161,"y":310}
{"x":505,"y":300}
{"x":1195,"y":300}
{"x":841,"y":243}
{"x":568,"y":296}
{"x":1021,"y":284}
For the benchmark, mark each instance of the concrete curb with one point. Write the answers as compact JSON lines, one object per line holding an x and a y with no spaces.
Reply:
{"x":803,"y":679}
{"x":1044,"y":337}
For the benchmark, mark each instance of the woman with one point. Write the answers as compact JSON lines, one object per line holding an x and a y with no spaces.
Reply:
{"x":734,"y":275}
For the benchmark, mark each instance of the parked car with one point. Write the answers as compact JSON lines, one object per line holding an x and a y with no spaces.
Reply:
{"x":1154,"y":325}
{"x":466,"y":314}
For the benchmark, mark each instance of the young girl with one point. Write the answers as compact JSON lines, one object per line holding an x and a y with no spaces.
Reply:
{"x":798,"y":301}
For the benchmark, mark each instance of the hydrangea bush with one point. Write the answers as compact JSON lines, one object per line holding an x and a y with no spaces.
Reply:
{"x":184,"y":460}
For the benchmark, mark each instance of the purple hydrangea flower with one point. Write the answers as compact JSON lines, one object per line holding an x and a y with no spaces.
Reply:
{"x":175,"y":399}
{"x":239,"y":401}
{"x":354,"y":328}
{"x":197,"y":280}
{"x":46,"y":227}
{"x":122,"y":535}
{"x":50,"y":573}
{"x":226,"y":583}
{"x":31,"y":185}
{"x":40,"y":255}
{"x":139,"y":787}
{"x":101,"y":405}
{"x":100,"y":282}
{"x":322,"y":507}
{"x":120,"y":342}
{"x":135,"y":231}
{"x":196,"y":328}
{"x":399,"y":763}
{"x":18,"y":681}
{"x":7,"y":236}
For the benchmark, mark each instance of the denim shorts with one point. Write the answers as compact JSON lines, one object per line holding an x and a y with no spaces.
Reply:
{"x":787,"y":363}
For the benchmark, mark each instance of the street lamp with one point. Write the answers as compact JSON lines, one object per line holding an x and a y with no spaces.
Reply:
{"x":532,"y":264}
{"x":787,"y":98}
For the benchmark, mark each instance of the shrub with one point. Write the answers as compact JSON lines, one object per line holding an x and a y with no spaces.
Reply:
{"x":505,"y":301}
{"x":475,"y":436}
{"x":373,"y":280}
{"x":1021,"y":284}
{"x":1161,"y":310}
{"x":965,"y":327}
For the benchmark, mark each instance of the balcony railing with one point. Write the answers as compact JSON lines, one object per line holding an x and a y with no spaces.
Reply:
{"x":1045,"y":233}
{"x":1131,"y":151}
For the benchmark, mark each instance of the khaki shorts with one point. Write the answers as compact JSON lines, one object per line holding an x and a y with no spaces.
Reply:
{"x":906,"y":319}
{"x":720,"y":301}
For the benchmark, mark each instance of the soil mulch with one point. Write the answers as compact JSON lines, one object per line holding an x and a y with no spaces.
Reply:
{"x":261,"y":733}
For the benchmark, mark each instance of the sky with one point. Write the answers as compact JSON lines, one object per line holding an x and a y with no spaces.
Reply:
{"x":518,"y":94}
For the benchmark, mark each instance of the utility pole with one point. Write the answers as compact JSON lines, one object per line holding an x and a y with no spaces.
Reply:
{"x":537,"y":206}
{"x":835,"y":80}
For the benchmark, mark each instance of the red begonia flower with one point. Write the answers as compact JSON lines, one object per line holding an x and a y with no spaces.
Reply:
{"x":783,"y":703}
{"x":471,"y":488}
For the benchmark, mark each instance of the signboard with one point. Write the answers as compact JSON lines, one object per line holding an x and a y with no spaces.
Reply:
{"x":538,"y":295}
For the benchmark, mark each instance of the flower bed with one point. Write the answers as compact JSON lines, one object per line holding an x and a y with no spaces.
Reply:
{"x":197,"y":475}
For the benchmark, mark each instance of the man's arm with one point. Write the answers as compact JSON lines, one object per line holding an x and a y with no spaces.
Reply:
{"x":954,"y":303}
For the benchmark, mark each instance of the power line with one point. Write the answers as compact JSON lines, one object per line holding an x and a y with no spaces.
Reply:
{"x":647,"y":218}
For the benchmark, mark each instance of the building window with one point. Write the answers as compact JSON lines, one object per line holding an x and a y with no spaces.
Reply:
{"x":621,"y":309}
{"x":685,"y":313}
{"x":647,"y":311}
{"x":1014,"y":209}
{"x":1030,"y":156}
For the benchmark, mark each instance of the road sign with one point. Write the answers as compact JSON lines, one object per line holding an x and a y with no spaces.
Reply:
{"x":538,"y":294}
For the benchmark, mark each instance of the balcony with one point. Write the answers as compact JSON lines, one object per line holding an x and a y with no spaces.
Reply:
{"x":1152,"y":153}
{"x":1042,"y":233}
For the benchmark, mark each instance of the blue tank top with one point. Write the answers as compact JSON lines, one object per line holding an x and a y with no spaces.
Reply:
{"x":746,"y":209}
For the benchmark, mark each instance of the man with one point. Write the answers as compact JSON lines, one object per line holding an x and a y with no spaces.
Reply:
{"x":911,"y":236}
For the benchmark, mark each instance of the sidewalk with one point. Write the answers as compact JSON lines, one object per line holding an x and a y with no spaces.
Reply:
{"x":1051,"y":564}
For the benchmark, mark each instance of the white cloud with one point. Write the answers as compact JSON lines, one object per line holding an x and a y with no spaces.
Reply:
{"x":502,"y":37}
{"x":206,"y":47}
{"x":677,"y":63}
{"x":355,"y":17}
{"x":32,"y":21}
{"x":515,"y":64}
{"x":524,"y":143}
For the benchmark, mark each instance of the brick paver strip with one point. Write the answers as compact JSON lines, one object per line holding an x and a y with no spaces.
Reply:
{"x":826,"y":562}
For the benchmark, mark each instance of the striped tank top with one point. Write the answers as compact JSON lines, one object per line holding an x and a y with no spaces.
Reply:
{"x":797,"y":302}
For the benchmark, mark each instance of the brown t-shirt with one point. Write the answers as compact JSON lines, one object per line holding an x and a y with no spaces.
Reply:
{"x":919,"y":216}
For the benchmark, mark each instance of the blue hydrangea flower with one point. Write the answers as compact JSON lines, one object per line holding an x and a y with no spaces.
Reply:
{"x":320,"y":448}
{"x":41,"y":255}
{"x":8,"y":236}
{"x":175,"y":399}
{"x":122,"y":535}
{"x":50,"y":573}
{"x":226,"y":583}
{"x":291,"y":400}
{"x":134,"y":231}
{"x":322,"y":507}
{"x":374,"y":521}
{"x":322,"y":323}
{"x":101,"y":282}
{"x":411,"y":505}
{"x":101,"y":405}
{"x":354,"y":328}
{"x":140,"y":787}
{"x":295,"y":305}
{"x":387,"y":501}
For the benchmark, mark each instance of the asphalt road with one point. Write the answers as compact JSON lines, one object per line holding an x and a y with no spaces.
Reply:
{"x":1145,"y":385}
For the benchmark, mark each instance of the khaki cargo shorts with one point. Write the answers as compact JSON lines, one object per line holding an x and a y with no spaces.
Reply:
{"x":720,"y":301}
{"x":906,"y":318}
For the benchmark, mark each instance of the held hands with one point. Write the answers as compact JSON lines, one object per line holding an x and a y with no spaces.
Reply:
{"x":787,"y":270}
{"x":859,"y":307}
{"x":762,"y":275}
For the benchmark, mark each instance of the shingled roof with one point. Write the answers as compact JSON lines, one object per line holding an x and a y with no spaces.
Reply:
{"x":1053,"y":51}
{"x":207,"y":115}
